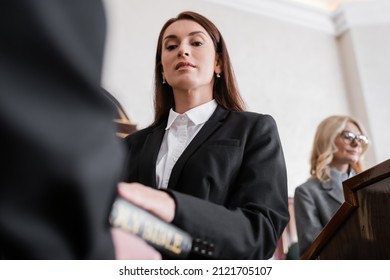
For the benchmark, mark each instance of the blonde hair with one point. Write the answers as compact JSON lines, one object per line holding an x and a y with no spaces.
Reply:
{"x":324,"y":146}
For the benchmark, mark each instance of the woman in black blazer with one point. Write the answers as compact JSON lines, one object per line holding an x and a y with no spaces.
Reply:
{"x":214,"y":170}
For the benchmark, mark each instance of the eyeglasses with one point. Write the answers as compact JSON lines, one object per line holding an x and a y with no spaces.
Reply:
{"x":350,"y":137}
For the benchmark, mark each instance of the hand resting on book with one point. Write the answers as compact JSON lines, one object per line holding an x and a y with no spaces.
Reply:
{"x":156,"y":202}
{"x":147,"y":213}
{"x":129,"y":246}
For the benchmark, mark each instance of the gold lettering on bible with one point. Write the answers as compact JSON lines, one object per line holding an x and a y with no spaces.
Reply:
{"x":149,"y":228}
{"x":127,"y":219}
{"x":160,"y":236}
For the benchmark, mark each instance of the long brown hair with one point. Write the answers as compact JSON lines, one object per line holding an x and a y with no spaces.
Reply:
{"x":225,"y":92}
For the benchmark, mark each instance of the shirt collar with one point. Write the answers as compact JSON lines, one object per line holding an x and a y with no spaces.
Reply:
{"x":197,"y":115}
{"x":341,"y":176}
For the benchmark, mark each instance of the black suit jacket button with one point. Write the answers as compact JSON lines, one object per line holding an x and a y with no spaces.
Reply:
{"x":211,"y":249}
{"x":195,"y":245}
{"x":204,"y":248}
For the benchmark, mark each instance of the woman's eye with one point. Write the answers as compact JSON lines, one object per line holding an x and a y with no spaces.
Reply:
{"x":171,"y":47}
{"x":197,"y":43}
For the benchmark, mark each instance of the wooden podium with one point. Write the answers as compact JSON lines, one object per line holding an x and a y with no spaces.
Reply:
{"x":360,"y":229}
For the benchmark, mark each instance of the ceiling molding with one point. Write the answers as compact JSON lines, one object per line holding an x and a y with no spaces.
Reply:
{"x":332,"y":17}
{"x":368,"y":12}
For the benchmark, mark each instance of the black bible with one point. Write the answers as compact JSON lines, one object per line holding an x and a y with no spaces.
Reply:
{"x":166,"y":238}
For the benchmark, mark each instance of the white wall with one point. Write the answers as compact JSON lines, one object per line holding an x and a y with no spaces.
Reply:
{"x":290,"y":71}
{"x":372,"y":50}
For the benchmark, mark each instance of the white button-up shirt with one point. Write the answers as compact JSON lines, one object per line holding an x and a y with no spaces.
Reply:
{"x":180,"y":130}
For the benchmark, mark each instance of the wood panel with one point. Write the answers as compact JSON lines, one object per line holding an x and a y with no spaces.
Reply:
{"x":360,"y":229}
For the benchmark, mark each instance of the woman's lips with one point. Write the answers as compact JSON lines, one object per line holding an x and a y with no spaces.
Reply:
{"x":184,"y":65}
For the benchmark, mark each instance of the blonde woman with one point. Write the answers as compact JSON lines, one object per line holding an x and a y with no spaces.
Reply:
{"x":339,"y":145}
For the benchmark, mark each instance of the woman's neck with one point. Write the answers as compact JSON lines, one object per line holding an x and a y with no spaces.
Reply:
{"x":342,"y":167}
{"x":186,"y":100}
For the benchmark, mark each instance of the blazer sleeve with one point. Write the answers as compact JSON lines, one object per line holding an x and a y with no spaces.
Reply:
{"x":307,"y":217}
{"x":249,"y":225}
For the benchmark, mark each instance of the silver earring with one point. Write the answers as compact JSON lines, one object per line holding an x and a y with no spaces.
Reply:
{"x":218,"y":75}
{"x":164,"y":82}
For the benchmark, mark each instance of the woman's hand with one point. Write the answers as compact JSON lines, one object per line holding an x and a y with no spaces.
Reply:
{"x":157,"y":202}
{"x":130,"y":247}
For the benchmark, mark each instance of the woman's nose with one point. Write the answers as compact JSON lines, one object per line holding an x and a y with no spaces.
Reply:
{"x":355,"y":143}
{"x":183,"y":52}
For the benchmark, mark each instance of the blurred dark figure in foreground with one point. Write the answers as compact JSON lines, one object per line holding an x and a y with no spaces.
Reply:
{"x":60,"y":156}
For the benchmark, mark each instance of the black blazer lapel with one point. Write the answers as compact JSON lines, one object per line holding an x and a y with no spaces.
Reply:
{"x":215,"y":121}
{"x":149,"y":153}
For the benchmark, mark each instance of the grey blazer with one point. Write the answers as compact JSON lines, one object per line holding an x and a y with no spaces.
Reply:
{"x":314,"y":204}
